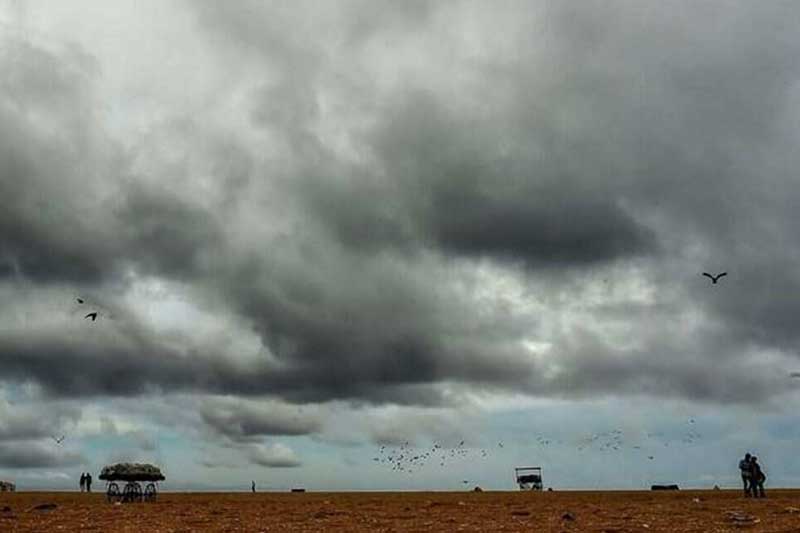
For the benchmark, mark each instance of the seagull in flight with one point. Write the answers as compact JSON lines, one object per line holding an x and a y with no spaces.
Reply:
{"x":714,"y":278}
{"x":59,"y":440}
{"x":80,"y":300}
{"x":92,"y":315}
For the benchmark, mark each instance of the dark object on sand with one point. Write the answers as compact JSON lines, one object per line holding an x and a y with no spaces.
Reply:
{"x":477,"y":489}
{"x":298,"y":490}
{"x":7,"y":486}
{"x":568,"y":516}
{"x":664,"y":487}
{"x":5,"y":509}
{"x":716,"y":487}
{"x":132,"y":474}
{"x":43,"y":507}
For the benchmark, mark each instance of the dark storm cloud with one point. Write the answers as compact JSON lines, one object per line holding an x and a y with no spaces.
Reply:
{"x":63,"y":220}
{"x":571,"y":141}
{"x":22,"y":422}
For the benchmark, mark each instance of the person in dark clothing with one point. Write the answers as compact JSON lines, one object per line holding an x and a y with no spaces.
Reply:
{"x":88,"y":482}
{"x":744,"y":469}
{"x":83,"y":481}
{"x":253,"y":486}
{"x":757,"y":478}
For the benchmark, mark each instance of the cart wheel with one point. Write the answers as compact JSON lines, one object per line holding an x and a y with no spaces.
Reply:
{"x":112,"y":492}
{"x":137,"y":492}
{"x":150,"y":493}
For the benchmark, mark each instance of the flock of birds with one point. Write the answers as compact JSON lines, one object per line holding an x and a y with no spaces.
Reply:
{"x":407,"y":459}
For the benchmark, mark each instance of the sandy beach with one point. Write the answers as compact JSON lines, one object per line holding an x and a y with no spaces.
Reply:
{"x":699,"y":511}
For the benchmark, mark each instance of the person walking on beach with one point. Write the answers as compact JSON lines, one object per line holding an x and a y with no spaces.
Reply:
{"x":253,"y":487}
{"x":83,"y":481}
{"x":745,"y":470}
{"x":88,"y":482}
{"x":757,"y":478}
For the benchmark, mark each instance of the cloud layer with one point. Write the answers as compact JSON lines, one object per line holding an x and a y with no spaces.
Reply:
{"x":398,"y":204}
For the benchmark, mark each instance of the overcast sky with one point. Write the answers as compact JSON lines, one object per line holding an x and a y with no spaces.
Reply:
{"x":312,"y":229}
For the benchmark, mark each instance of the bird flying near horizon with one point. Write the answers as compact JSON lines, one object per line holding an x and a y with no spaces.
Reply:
{"x":92,"y":315}
{"x":59,"y":440}
{"x":714,"y":278}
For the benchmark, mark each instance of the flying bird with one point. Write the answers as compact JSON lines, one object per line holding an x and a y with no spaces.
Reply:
{"x":60,"y":440}
{"x":93,"y":316}
{"x":80,"y":301}
{"x":714,"y":278}
{"x":794,"y":374}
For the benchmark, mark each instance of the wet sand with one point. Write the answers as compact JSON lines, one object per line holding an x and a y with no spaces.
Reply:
{"x":611,"y":512}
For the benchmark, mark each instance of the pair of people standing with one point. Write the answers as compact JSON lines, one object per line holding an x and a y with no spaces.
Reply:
{"x":753,"y":477}
{"x":86,"y":482}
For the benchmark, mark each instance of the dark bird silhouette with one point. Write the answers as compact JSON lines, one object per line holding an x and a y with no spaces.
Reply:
{"x":80,"y":301}
{"x":93,"y":316}
{"x":794,"y":375}
{"x":60,"y":440}
{"x":714,"y":278}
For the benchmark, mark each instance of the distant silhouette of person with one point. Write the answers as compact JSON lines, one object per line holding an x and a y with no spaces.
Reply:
{"x":253,"y":486}
{"x":88,"y":482}
{"x":757,"y":478}
{"x":83,"y":481}
{"x":744,"y":469}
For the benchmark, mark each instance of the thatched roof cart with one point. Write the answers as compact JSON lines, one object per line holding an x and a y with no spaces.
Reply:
{"x":133,"y":474}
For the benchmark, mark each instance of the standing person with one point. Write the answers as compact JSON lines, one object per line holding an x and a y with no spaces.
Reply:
{"x":757,"y":478}
{"x":744,"y":469}
{"x":88,"y":482}
{"x":83,"y":481}
{"x":253,"y":487}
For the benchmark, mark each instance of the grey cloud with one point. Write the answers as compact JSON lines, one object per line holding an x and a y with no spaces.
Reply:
{"x":249,"y":420}
{"x":273,"y":456}
{"x":564,"y":155}
{"x":35,"y":421}
{"x":22,"y":454}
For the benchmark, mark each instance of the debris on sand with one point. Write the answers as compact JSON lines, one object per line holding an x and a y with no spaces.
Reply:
{"x":568,"y":516}
{"x":791,"y":510}
{"x":43,"y":507}
{"x":5,"y":509}
{"x":741,"y":519}
{"x":716,"y":487}
{"x":477,"y":489}
{"x":520,"y":513}
{"x":298,"y":490}
{"x":664,"y":487}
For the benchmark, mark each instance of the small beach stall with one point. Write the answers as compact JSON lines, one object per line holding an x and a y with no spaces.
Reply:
{"x":133,"y":475}
{"x":528,"y":477}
